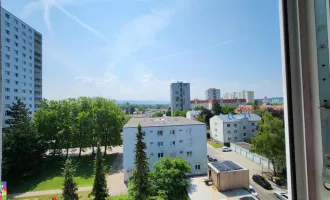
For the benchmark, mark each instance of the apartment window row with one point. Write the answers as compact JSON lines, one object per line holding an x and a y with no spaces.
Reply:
{"x":16,"y":98}
{"x":161,"y":154}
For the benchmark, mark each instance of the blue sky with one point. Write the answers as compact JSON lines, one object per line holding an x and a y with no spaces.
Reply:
{"x":134,"y":49}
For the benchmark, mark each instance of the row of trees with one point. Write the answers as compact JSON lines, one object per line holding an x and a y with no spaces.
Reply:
{"x":141,"y":108}
{"x":73,"y":123}
{"x":167,"y":179}
{"x":79,"y":123}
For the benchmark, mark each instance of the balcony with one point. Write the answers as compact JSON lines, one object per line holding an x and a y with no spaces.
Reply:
{"x":37,"y":76}
{"x":37,"y":96}
{"x":38,"y":69}
{"x":36,"y":89}
{"x":37,"y":82}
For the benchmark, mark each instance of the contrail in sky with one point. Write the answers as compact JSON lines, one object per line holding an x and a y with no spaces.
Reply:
{"x":194,"y":50}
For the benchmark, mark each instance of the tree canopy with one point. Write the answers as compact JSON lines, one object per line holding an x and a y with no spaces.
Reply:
{"x":179,"y":113}
{"x":228,"y":109}
{"x":270,"y":140}
{"x":216,"y":108}
{"x":168,"y":178}
{"x":198,"y":108}
{"x":205,"y":116}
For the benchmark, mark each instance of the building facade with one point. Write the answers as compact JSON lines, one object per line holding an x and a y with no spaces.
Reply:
{"x":192,"y":114}
{"x":212,"y":94}
{"x":180,"y":96}
{"x":247,"y":95}
{"x":233,"y":128}
{"x":208,"y":104}
{"x":167,"y":136}
{"x":21,"y":63}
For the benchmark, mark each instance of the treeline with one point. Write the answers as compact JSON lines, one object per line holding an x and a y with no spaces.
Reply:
{"x":80,"y":123}
{"x":64,"y":124}
{"x":140,"y":108}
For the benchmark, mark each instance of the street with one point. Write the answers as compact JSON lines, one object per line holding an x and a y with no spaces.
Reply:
{"x":253,"y":167}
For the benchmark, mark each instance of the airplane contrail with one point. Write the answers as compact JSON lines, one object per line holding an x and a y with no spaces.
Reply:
{"x":193,"y":50}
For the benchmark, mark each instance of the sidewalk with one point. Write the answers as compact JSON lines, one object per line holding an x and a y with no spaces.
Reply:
{"x":45,"y":192}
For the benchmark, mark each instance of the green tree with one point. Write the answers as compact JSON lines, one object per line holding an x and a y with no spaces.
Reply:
{"x":228,"y":109}
{"x":216,"y":108}
{"x":139,"y":186}
{"x":183,"y":113}
{"x":205,"y":116}
{"x":70,"y":186}
{"x":198,"y":108}
{"x":100,"y":190}
{"x":158,"y":114}
{"x":176,"y":113}
{"x":168,"y":178}
{"x":131,"y":109}
{"x":168,"y":112}
{"x":255,"y":105}
{"x":23,"y":147}
{"x":270,"y":140}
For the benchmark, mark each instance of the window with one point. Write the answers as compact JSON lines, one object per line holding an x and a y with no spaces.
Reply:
{"x":30,"y":30}
{"x":189,"y":153}
{"x":16,"y":21}
{"x":244,"y":127}
{"x":180,"y":141}
{"x":16,"y":52}
{"x":7,"y":56}
{"x":160,"y":144}
{"x":7,"y":89}
{"x":7,"y":97}
{"x":24,"y":41}
{"x":189,"y":131}
{"x":172,"y":132}
{"x":244,"y":134}
{"x":7,"y":65}
{"x":16,"y":37}
{"x":252,"y":130}
{"x":16,"y":74}
{"x":197,"y":166}
{"x":16,"y":97}
{"x":235,"y":131}
{"x":235,"y":138}
{"x":143,"y":133}
{"x":24,"y":47}
{"x":189,"y":142}
{"x":228,"y":125}
{"x":173,"y":143}
{"x":160,"y":155}
{"x":16,"y":59}
{"x":151,"y":154}
{"x":23,"y":26}
{"x":252,"y":124}
{"x":7,"y":72}
{"x":16,"y":82}
{"x":7,"y":81}
{"x":150,"y":142}
{"x":229,"y":138}
{"x":23,"y":98}
{"x":7,"y":15}
{"x":24,"y":76}
{"x":8,"y":48}
{"x":24,"y":69}
{"x":30,"y":105}
{"x":7,"y":40}
{"x":7,"y":32}
{"x":159,"y":133}
{"x":23,"y":91}
{"x":228,"y":131}
{"x":15,"y":90}
{"x":16,"y":29}
{"x":181,"y":152}
{"x":16,"y":67}
{"x":24,"y":55}
{"x":16,"y":44}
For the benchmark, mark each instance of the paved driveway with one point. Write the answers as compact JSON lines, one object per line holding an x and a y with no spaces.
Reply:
{"x":253,"y":167}
{"x":116,"y":178}
{"x":88,"y":151}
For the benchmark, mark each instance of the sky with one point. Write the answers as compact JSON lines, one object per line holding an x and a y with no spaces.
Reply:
{"x":134,"y":49}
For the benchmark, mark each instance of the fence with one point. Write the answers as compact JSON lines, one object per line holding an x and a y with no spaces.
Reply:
{"x":252,"y":156}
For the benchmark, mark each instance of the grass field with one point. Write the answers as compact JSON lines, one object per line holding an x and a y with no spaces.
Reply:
{"x":215,"y":145}
{"x":48,"y":175}
{"x":82,"y":195}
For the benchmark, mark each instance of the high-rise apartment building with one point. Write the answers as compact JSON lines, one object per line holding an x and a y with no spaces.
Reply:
{"x":21,"y":63}
{"x":212,"y":94}
{"x":180,"y":96}
{"x":247,"y":95}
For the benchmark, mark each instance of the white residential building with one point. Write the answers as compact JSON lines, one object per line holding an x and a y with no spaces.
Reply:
{"x":233,"y":128}
{"x":168,"y":136}
{"x":192,"y":114}
{"x":180,"y":96}
{"x":247,"y":95}
{"x":212,"y":94}
{"x":21,"y":63}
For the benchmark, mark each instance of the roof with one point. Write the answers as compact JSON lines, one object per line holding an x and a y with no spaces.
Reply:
{"x":224,"y":166}
{"x":161,"y":121}
{"x":243,"y":145}
{"x":198,"y":101}
{"x":232,"y":118}
{"x":194,"y":112}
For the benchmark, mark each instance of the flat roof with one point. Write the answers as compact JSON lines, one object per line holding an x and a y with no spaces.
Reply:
{"x":243,"y":145}
{"x":198,"y":189}
{"x":224,"y":166}
{"x":161,"y":121}
{"x":233,"y":118}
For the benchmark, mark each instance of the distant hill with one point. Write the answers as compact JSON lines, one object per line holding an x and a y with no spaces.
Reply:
{"x":146,"y":102}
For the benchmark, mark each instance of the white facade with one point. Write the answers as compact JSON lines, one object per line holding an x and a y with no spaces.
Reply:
{"x":171,"y":136}
{"x":21,"y":63}
{"x":233,"y":128}
{"x":247,"y":95}
{"x":180,"y":96}
{"x":193,"y":114}
{"x":212,"y":94}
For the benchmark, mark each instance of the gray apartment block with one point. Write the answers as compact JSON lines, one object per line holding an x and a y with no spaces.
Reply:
{"x":180,"y":96}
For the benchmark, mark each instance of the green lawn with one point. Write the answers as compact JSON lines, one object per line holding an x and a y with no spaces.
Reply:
{"x":82,"y":195}
{"x":48,"y":175}
{"x":215,"y":145}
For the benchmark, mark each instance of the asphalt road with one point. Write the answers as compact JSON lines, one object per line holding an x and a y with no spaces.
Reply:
{"x":253,"y":167}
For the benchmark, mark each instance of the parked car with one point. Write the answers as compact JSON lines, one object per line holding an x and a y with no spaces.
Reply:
{"x":261,"y":181}
{"x":253,"y":192}
{"x":225,"y":149}
{"x":214,"y":159}
{"x":210,"y":159}
{"x":281,"y":195}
